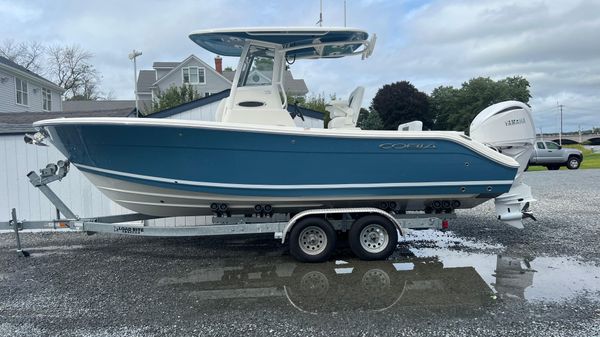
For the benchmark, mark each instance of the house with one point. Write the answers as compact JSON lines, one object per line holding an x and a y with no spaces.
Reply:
{"x":23,"y":90}
{"x":201,"y":76}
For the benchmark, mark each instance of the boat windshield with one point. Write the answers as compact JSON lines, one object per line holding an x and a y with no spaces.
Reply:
{"x":257,"y":69}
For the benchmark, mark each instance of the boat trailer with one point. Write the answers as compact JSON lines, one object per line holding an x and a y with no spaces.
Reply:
{"x":280,"y":225}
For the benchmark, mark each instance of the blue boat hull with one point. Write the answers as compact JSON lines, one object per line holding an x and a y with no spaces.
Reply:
{"x":180,"y":170}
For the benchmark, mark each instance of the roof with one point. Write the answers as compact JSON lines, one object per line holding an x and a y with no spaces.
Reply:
{"x":20,"y":122}
{"x":10,"y":64}
{"x":165,"y":64}
{"x":146,"y":79}
{"x":219,"y":96}
{"x":230,"y":41}
{"x":74,"y":106}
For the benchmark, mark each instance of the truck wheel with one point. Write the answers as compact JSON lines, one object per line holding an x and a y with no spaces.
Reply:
{"x":573,"y":163}
{"x":373,"y":237}
{"x":553,"y":167}
{"x":312,"y":240}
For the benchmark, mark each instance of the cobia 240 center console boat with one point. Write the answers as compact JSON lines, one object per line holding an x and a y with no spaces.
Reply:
{"x":254,"y":157}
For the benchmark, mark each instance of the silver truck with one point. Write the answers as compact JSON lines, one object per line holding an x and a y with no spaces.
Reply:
{"x":553,"y":156}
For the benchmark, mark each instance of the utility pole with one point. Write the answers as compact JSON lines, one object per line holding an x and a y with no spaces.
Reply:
{"x":561,"y":125}
{"x":132,"y":56}
{"x":344,"y":13}
{"x":320,"y":22}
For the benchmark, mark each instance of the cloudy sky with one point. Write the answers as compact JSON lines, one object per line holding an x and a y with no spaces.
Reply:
{"x":554,"y":44}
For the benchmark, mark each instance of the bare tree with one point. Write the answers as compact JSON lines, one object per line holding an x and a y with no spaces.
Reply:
{"x":70,"y":68}
{"x":26,"y":54}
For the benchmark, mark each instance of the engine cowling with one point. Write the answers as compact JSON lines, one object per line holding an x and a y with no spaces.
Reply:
{"x":508,"y":127}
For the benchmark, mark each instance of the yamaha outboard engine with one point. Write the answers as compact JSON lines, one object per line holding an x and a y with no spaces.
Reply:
{"x":508,"y":128}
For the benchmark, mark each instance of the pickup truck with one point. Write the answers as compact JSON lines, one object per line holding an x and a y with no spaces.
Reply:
{"x":553,"y":156}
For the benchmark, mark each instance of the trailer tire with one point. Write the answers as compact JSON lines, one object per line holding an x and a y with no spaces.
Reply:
{"x":373,"y":237}
{"x":312,"y":239}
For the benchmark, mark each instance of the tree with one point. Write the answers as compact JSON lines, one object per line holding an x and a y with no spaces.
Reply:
{"x":70,"y":68}
{"x":454,"y":109}
{"x":369,"y":120}
{"x":174,"y":96}
{"x":26,"y":54}
{"x":399,"y":103}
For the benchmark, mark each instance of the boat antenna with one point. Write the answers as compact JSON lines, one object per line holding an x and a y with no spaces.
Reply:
{"x":320,"y":22}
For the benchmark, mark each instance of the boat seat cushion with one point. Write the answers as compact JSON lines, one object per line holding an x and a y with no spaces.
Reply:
{"x":344,"y":114}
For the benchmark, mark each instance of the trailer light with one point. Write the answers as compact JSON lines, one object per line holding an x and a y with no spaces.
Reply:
{"x":445,"y":224}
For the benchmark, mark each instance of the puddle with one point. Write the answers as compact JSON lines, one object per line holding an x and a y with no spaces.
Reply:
{"x":338,"y":285}
{"x":532,"y":279}
{"x":511,"y":277}
{"x":433,"y":274}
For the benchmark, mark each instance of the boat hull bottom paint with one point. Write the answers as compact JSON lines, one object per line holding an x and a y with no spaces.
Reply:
{"x":160,"y":201}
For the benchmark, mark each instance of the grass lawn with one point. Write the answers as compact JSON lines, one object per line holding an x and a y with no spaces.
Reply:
{"x":590,"y":160}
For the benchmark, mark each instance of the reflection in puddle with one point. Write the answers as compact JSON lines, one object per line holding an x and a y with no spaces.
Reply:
{"x":430,"y":278}
{"x":533,"y":278}
{"x":333,"y":287}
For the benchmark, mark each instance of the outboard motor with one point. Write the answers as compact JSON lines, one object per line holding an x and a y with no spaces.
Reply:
{"x":508,"y":128}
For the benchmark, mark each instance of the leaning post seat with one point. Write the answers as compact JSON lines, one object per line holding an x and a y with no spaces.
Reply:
{"x":344,"y":114}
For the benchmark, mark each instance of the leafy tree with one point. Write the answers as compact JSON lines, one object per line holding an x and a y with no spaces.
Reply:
{"x":454,"y":109}
{"x":174,"y":96}
{"x":369,"y":120}
{"x":263,"y":64}
{"x":399,"y":103}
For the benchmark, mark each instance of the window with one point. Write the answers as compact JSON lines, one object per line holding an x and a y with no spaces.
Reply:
{"x":22,"y":93}
{"x":552,"y":146}
{"x":258,"y":67}
{"x":46,"y":99}
{"x":540,"y":145}
{"x":193,"y":75}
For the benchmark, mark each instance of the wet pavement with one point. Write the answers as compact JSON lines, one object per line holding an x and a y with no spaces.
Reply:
{"x":481,"y":278}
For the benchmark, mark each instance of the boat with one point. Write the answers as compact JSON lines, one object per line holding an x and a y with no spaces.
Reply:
{"x":254,"y":158}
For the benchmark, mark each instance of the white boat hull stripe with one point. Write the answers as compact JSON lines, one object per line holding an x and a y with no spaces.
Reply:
{"x":284,"y":187}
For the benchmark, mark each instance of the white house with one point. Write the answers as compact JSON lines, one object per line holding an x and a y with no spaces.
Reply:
{"x":24,"y":90}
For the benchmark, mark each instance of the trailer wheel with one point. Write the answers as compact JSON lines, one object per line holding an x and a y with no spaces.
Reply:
{"x":373,"y":237}
{"x":312,"y":240}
